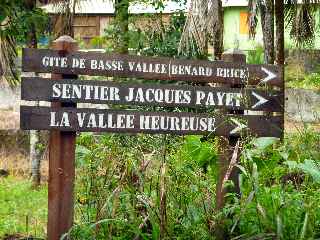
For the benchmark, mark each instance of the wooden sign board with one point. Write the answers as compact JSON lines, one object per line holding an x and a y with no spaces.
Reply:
{"x":150,"y":94}
{"x":88,"y":63}
{"x":122,"y":121}
{"x":65,"y":119}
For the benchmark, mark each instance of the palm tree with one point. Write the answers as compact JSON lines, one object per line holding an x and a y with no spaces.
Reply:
{"x":204,"y":22}
{"x":205,"y":19}
{"x":279,"y":13}
{"x":300,"y":17}
{"x":66,"y":10}
{"x":266,"y":10}
{"x":8,"y":34}
{"x":10,"y":24}
{"x":35,"y":153}
{"x":122,"y":21}
{"x":8,"y":52}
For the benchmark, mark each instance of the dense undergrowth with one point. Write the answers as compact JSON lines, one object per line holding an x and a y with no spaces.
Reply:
{"x":143,"y":187}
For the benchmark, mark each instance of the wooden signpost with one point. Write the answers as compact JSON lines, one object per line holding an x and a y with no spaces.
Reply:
{"x":198,"y":104}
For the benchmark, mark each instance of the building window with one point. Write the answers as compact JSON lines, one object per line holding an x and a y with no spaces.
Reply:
{"x":244,"y":27}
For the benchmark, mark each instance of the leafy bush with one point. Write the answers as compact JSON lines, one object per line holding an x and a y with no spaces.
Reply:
{"x":279,"y":185}
{"x":129,"y":186}
{"x":122,"y":181}
{"x":155,"y":38}
{"x":311,"y":81}
{"x":256,"y":56}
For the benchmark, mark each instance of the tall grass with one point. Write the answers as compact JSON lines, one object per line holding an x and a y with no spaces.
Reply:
{"x":144,"y":187}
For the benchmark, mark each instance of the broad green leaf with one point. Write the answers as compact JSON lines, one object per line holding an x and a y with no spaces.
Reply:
{"x":264,"y":142}
{"x":304,"y":227}
{"x":242,"y":169}
{"x":291,"y":164}
{"x":311,"y":168}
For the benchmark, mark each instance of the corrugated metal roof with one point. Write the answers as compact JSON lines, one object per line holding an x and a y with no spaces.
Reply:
{"x":107,"y":7}
{"x":84,"y":7}
{"x":234,"y":3}
{"x":239,"y":3}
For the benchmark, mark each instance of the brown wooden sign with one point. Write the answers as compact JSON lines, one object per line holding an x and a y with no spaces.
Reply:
{"x":122,"y":121}
{"x":63,"y":119}
{"x":88,"y":63}
{"x":150,"y":94}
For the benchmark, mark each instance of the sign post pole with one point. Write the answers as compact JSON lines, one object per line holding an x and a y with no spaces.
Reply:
{"x":228,"y":146}
{"x":61,"y":162}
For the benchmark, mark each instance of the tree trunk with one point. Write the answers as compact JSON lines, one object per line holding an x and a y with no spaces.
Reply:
{"x":122,"y":20}
{"x":267,"y":23}
{"x":218,"y":36}
{"x":279,"y":12}
{"x":35,"y":152}
{"x":35,"y":157}
{"x":163,"y":191}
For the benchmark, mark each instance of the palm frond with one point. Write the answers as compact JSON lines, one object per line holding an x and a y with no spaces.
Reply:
{"x":8,"y":55}
{"x":300,"y":18}
{"x":253,"y":7}
{"x":201,"y":24}
{"x":66,"y":11}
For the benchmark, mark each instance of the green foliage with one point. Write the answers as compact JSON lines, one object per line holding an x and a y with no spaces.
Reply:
{"x":121,"y":181}
{"x":309,"y":167}
{"x":311,"y":81}
{"x":118,"y":186}
{"x":278,"y":196}
{"x":22,"y":210}
{"x":202,"y":153}
{"x":18,"y":20}
{"x":148,"y":35}
{"x":98,"y":42}
{"x":256,"y":56}
{"x":164,"y":41}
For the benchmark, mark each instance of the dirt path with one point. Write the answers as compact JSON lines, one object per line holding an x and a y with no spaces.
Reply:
{"x":9,"y":120}
{"x":296,"y":127}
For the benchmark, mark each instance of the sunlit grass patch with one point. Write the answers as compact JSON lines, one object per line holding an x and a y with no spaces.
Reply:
{"x":22,"y":209}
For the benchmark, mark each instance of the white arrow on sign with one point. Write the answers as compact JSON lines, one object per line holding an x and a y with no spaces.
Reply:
{"x":261,"y":100}
{"x":270,"y":76}
{"x":239,"y":126}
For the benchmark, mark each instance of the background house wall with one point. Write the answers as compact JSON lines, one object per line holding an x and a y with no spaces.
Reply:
{"x":87,"y":27}
{"x":234,"y":25}
{"x":234,"y":21}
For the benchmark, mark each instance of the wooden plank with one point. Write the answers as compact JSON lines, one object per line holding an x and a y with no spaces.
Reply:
{"x":88,"y":63}
{"x":61,"y":163}
{"x":122,"y":121}
{"x":150,"y":94}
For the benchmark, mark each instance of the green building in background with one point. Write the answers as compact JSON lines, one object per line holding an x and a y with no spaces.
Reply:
{"x":92,"y":19}
{"x":236,"y":28}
